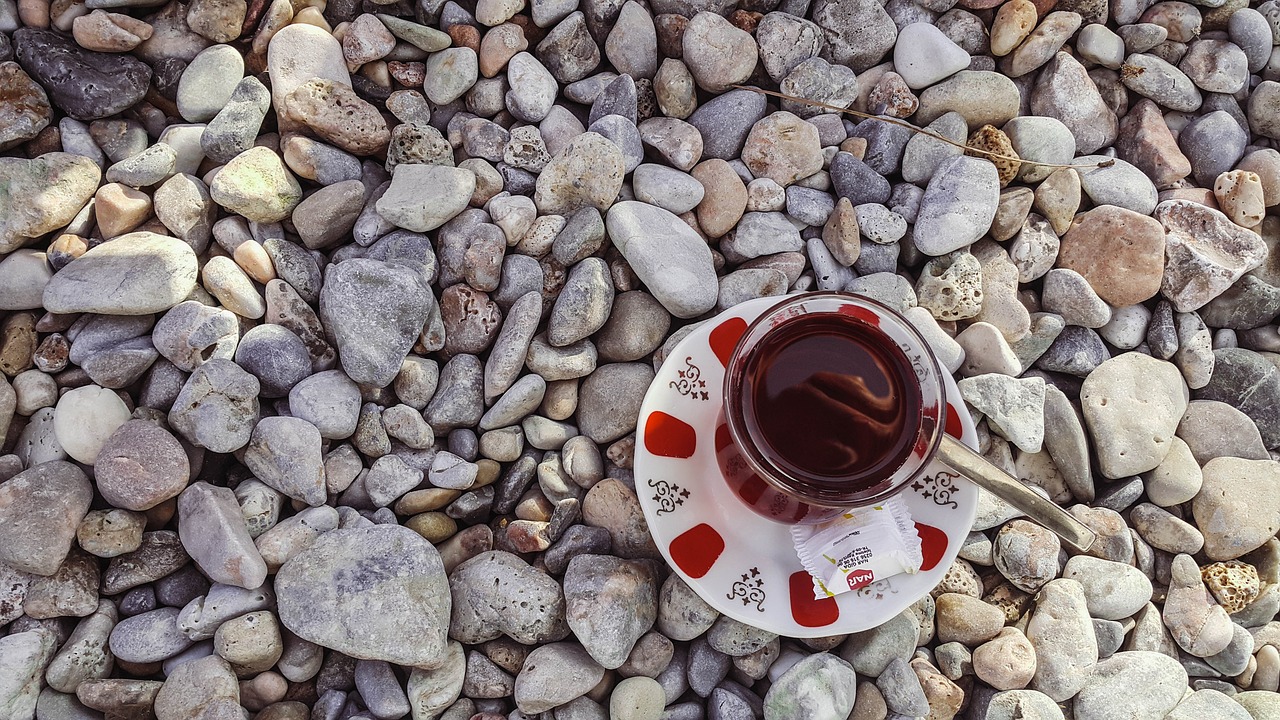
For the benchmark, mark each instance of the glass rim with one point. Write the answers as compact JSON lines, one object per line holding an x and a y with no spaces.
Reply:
{"x":928,"y":376}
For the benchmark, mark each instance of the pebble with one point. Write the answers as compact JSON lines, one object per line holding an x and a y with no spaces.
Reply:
{"x":1109,"y":692}
{"x":553,"y":675}
{"x":208,"y":82}
{"x":1119,"y":184}
{"x":375,"y":311}
{"x":1213,"y":143}
{"x":406,"y":205}
{"x":140,"y":465}
{"x":482,"y":205}
{"x":783,"y":148}
{"x":1227,"y":482}
{"x":257,"y":185}
{"x":637,"y":698}
{"x":1016,"y":704}
{"x":215,"y":536}
{"x":39,"y":531}
{"x":666,"y":255}
{"x":1014,"y":407}
{"x":1064,"y":91}
{"x":595,"y":582}
{"x":967,"y":620}
{"x":860,"y":33}
{"x":923,"y":55}
{"x":496,"y":593}
{"x":718,"y":54}
{"x":958,"y":205}
{"x":167,"y":276}
{"x":1132,"y":431}
{"x":588,"y":171}
{"x":821,"y":686}
{"x":666,"y":188}
{"x":1007,"y":662}
{"x":1234,"y":370}
{"x":404,"y":579}
{"x":1113,"y":591}
{"x":725,"y":121}
{"x":87,"y":85}
{"x":1062,"y":634}
{"x":217,"y":406}
{"x":1133,"y":245}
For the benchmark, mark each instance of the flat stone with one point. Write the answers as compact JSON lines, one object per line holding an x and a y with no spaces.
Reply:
{"x":40,"y":509}
{"x":667,"y":255}
{"x":355,"y":590}
{"x":134,"y":274}
{"x":374,"y":310}
{"x":1132,"y":430}
{"x":86,"y":85}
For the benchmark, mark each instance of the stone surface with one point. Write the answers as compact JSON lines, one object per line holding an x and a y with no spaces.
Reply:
{"x":148,"y":273}
{"x":1131,"y":430}
{"x":666,"y":254}
{"x":41,"y":508}
{"x":375,"y":310}
{"x":398,"y":580}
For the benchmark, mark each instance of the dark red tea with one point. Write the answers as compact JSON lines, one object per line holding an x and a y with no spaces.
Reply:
{"x":831,"y":401}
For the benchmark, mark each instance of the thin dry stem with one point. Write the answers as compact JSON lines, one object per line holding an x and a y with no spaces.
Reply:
{"x":923,"y":131}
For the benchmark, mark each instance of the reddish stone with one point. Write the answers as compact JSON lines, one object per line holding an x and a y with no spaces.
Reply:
{"x":1120,"y":253}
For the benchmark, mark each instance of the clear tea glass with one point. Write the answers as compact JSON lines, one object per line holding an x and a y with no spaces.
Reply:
{"x":835,"y":401}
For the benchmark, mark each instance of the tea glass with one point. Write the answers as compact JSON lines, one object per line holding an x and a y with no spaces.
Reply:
{"x":782,"y":495}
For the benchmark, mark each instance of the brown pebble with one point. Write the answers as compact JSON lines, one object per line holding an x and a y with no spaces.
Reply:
{"x":109,"y":32}
{"x":500,"y":44}
{"x":989,"y":139}
{"x":467,"y":36}
{"x":1120,"y":252}
{"x":745,"y":20}
{"x":671,"y":35}
{"x":409,"y":74}
{"x":17,"y":343}
{"x":51,"y":355}
{"x":49,"y":140}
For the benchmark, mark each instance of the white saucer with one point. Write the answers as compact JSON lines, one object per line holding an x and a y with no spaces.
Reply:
{"x":742,"y":564}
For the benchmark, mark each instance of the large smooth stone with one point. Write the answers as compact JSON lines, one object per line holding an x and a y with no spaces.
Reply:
{"x":135,"y":274}
{"x":373,"y":593}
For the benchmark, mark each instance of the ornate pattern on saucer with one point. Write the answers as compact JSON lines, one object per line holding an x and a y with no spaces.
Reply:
{"x":739,"y":562}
